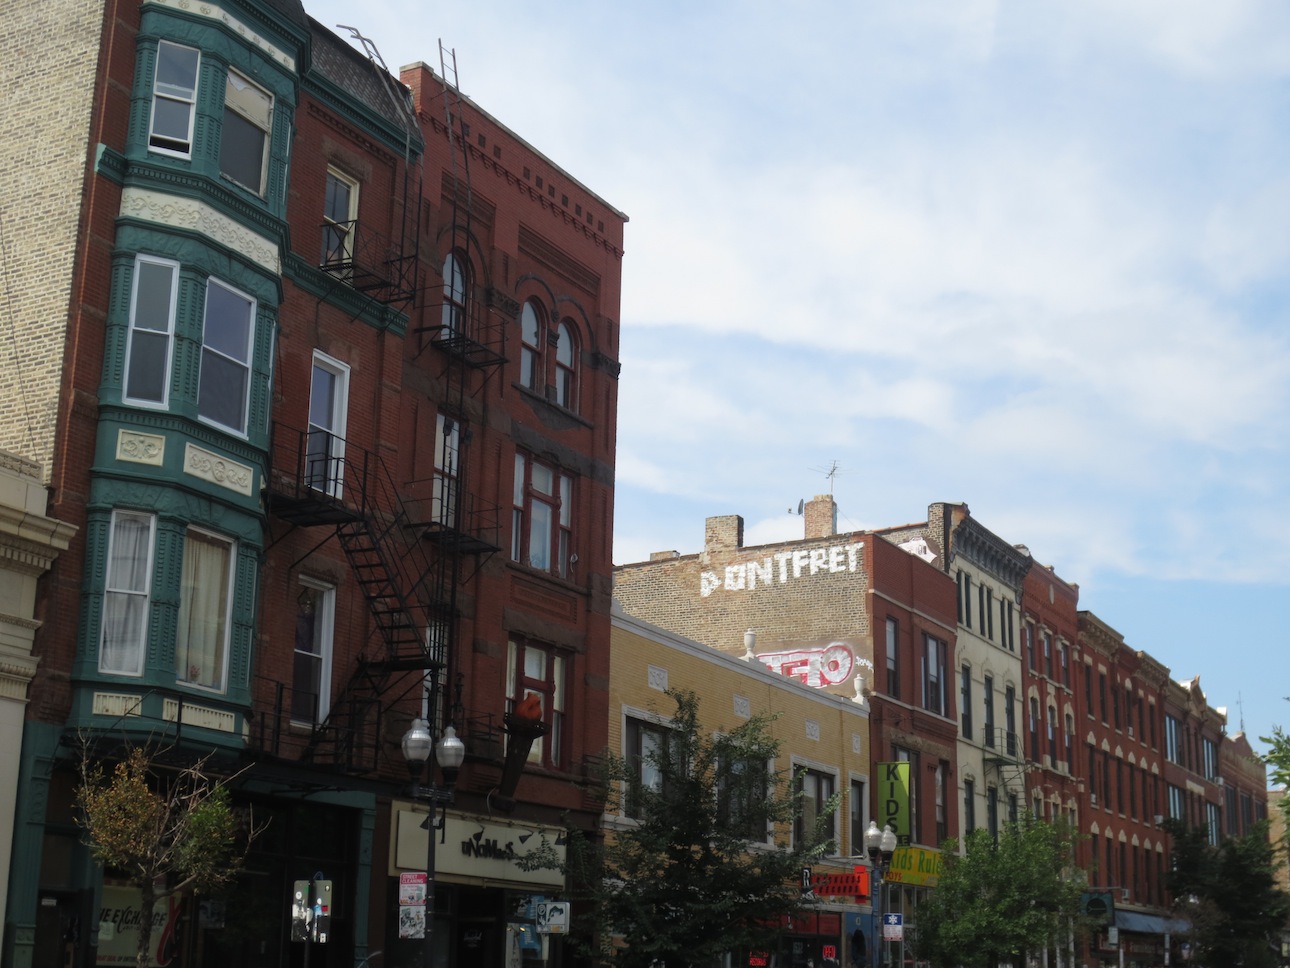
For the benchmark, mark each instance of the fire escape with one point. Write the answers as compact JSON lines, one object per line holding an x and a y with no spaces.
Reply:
{"x":407,"y":542}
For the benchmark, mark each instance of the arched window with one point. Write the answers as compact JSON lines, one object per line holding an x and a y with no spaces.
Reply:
{"x":454,"y":296}
{"x":531,"y":374}
{"x":565,"y":373}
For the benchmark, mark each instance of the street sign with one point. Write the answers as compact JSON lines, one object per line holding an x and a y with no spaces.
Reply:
{"x":893,"y":927}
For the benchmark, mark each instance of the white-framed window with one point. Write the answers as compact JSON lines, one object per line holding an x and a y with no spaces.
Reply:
{"x":566,"y":355}
{"x":123,"y":642}
{"x":934,"y":675}
{"x":447,"y":470}
{"x":542,"y":522}
{"x":174,"y":95}
{"x":152,"y":327}
{"x":328,"y":413}
{"x":534,"y":668}
{"x":454,"y":296}
{"x":340,"y":217}
{"x":205,"y":610}
{"x":645,"y":744}
{"x":311,"y":671}
{"x":244,"y":139}
{"x":225,"y":382}
{"x":813,"y":789}
{"x":531,"y":373}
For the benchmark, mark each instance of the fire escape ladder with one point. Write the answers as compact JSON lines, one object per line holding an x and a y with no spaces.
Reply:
{"x":394,"y":574}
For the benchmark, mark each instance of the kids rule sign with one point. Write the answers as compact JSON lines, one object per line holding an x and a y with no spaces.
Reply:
{"x":893,"y":799}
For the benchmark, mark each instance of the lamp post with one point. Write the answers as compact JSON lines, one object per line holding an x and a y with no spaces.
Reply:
{"x":880,"y":845}
{"x":449,"y":752}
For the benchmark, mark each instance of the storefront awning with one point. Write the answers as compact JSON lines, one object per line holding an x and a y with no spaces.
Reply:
{"x":1150,"y":923}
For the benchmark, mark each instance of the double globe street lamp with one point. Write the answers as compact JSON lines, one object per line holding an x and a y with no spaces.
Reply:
{"x":449,"y":752}
{"x":879,"y":845}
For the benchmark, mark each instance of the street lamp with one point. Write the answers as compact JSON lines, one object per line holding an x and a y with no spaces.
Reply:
{"x":449,"y":752}
{"x":880,"y":845}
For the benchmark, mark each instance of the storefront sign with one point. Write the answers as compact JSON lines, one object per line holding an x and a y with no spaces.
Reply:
{"x":477,"y":847}
{"x":916,"y":866}
{"x":119,"y":921}
{"x":893,"y":799}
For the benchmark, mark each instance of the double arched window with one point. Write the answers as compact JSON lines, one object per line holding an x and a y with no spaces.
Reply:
{"x":553,"y":375}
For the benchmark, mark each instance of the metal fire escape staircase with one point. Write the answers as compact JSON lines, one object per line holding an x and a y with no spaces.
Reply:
{"x":405,"y":548}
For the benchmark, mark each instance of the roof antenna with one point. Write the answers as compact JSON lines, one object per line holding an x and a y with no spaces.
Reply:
{"x":831,"y":473}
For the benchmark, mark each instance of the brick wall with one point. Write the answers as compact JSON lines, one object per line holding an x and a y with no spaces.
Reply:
{"x":44,"y":146}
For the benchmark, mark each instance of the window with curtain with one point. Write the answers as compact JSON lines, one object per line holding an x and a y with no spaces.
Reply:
{"x":244,"y":137}
{"x":201,"y":639}
{"x":124,"y":641}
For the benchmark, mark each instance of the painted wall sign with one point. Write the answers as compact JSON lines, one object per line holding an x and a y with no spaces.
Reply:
{"x":782,"y":568}
{"x":829,"y":666}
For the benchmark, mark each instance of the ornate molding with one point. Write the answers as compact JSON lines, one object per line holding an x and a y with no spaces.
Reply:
{"x":140,"y":448}
{"x":201,"y":716}
{"x":192,"y":215}
{"x":218,"y":470}
{"x":116,"y":704}
{"x":213,"y":11}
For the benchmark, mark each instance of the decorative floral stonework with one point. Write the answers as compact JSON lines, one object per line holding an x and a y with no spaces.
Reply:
{"x":218,"y":470}
{"x":195,"y":216}
{"x":140,"y":448}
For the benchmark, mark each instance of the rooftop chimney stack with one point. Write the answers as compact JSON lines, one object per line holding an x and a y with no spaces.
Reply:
{"x":821,"y":516}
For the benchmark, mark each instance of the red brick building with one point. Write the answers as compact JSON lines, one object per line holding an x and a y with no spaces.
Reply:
{"x":333,"y":410}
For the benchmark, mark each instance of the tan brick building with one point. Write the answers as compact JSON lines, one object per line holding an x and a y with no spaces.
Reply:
{"x":822,"y":733}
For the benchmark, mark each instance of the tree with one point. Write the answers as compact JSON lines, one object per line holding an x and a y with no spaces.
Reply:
{"x":178,"y":827}
{"x":1001,"y":898}
{"x":707,"y":867}
{"x":1229,"y":895}
{"x":1278,"y":759}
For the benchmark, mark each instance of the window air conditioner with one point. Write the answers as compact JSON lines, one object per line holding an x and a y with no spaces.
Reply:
{"x":1092,"y":799}
{"x":1130,"y":732}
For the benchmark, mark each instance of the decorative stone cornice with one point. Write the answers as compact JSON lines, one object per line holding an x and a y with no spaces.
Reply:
{"x":988,"y":551}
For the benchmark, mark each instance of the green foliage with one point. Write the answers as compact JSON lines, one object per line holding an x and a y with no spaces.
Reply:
{"x":1000,"y":899}
{"x":1278,"y":763}
{"x":683,"y":884}
{"x":177,"y":829}
{"x":1229,"y":895}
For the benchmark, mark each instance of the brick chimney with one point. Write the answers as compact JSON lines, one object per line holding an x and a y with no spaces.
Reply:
{"x":821,"y":516}
{"x":722,"y":533}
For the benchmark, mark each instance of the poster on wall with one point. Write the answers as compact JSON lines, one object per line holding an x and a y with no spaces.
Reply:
{"x":412,"y":905}
{"x":119,"y":920}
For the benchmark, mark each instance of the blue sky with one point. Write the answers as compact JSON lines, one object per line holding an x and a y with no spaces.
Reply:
{"x":1027,"y":255}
